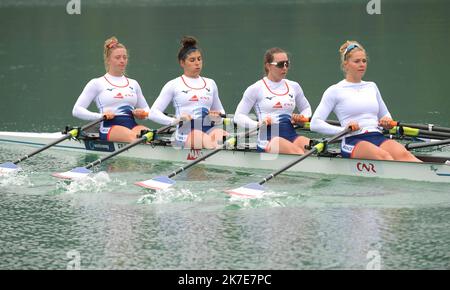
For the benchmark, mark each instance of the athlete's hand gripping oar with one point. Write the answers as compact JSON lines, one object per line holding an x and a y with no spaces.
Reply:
{"x":256,"y":189}
{"x":12,"y":166}
{"x":163,"y":182}
{"x":80,"y":172}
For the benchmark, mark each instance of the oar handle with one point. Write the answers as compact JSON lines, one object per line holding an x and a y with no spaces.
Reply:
{"x":317,"y":148}
{"x":93,"y":123}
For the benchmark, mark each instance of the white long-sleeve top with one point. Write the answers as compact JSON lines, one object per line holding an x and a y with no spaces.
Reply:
{"x":272,"y":99}
{"x":110,"y":93}
{"x":188,"y":95}
{"x":360,"y":102}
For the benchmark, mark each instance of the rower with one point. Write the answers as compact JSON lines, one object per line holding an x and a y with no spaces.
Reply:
{"x":358,"y":104}
{"x":274,"y":99}
{"x":195,"y":99}
{"x":118,"y":98}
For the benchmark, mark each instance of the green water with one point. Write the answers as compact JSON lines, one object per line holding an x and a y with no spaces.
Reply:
{"x":306,"y":222}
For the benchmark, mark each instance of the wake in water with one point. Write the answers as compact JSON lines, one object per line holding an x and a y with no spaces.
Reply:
{"x":98,"y":182}
{"x":168,"y":196}
{"x":19,"y":178}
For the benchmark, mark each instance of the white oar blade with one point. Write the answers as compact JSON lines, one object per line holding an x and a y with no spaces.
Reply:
{"x":76,"y":173}
{"x":8,"y":168}
{"x":250,"y":190}
{"x":157,"y":183}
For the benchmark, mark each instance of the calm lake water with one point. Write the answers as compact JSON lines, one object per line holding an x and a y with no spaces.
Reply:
{"x":306,"y":222}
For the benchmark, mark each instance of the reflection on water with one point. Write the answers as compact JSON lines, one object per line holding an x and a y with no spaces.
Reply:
{"x":305,"y":222}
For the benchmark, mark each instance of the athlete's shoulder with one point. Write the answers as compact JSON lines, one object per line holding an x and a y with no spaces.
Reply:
{"x":294,"y":84}
{"x":369,"y":83}
{"x":337,"y":86}
{"x":257,"y":85}
{"x":174,"y":82}
{"x":96,"y":82}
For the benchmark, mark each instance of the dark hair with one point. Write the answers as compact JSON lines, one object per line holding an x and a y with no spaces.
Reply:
{"x":268,"y":56}
{"x":188,"y":45}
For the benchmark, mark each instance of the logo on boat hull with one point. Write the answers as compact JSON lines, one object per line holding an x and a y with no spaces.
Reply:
{"x":194,"y":154}
{"x":96,"y":145}
{"x":363,"y":167}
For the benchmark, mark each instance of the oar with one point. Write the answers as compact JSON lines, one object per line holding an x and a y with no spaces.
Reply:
{"x":11,"y":166}
{"x":414,"y":132}
{"x":163,"y":182}
{"x":427,"y":127}
{"x":410,"y":146}
{"x":80,"y":172}
{"x":256,"y":189}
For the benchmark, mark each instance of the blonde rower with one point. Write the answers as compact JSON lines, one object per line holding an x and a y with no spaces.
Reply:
{"x":117,"y":97}
{"x":358,"y":104}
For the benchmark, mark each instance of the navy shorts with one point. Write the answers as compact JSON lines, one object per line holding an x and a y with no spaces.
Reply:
{"x":183,"y":132}
{"x":285,"y":130}
{"x":349,"y":143}
{"x":125,"y":121}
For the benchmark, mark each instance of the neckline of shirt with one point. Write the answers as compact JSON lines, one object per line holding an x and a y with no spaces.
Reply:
{"x":113,"y":80}
{"x":267,"y":82}
{"x":194,"y":80}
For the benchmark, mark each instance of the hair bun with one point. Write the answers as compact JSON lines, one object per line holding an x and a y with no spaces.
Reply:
{"x":188,"y":41}
{"x":111,"y":42}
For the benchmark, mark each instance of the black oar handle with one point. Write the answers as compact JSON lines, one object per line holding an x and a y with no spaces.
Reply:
{"x":70,"y":134}
{"x":316,"y":148}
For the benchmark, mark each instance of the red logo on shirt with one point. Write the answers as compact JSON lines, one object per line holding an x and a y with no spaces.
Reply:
{"x":278,"y":106}
{"x":194,"y":99}
{"x":118,"y":96}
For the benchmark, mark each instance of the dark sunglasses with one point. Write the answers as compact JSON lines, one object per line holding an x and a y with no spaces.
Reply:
{"x":281,"y":64}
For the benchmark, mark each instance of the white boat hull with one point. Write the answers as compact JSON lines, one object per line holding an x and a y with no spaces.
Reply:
{"x":428,"y":171}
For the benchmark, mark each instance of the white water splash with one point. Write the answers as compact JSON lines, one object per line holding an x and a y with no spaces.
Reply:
{"x":266,"y":199}
{"x":169,"y":195}
{"x":15,"y":179}
{"x":95,"y":183}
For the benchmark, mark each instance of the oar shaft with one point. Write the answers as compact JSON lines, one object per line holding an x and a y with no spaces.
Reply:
{"x":70,"y":134}
{"x":25,"y":157}
{"x":427,"y":144}
{"x":181,"y":169}
{"x":414,"y":132}
{"x":316,"y":148}
{"x":228,"y":141}
{"x":428,"y":127}
{"x":146,"y":137}
{"x":272,"y":175}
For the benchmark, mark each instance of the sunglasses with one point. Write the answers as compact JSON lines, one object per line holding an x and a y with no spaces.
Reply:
{"x":281,"y":64}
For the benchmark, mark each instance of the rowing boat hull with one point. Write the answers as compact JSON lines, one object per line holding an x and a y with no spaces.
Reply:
{"x":427,"y":171}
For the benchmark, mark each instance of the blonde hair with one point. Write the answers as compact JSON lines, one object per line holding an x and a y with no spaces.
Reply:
{"x":111,"y":44}
{"x":345,"y":52}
